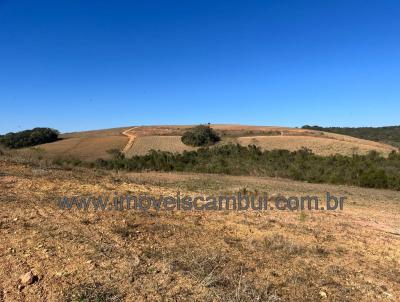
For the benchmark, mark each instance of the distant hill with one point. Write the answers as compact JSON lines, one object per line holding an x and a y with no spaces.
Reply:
{"x":388,"y":135}
{"x":139,"y":140}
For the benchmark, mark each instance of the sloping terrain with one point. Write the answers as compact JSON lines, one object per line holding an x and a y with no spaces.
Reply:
{"x":76,"y":255}
{"x":91,"y":145}
{"x":90,"y":148}
{"x":389,"y":134}
{"x":143,"y":144}
{"x":266,"y":137}
{"x":319,"y":145}
{"x":85,"y":145}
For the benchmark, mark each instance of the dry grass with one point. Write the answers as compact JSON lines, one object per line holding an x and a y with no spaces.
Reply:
{"x":319,"y":145}
{"x":351,"y":255}
{"x":143,"y":144}
{"x":84,"y":145}
{"x":166,"y":138}
{"x":96,"y":133}
{"x":90,"y":148}
{"x":91,"y":145}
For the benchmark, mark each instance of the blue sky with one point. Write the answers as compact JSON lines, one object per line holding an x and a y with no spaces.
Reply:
{"x":78,"y":65}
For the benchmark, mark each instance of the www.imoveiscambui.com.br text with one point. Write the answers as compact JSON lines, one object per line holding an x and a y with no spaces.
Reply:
{"x":234,"y":202}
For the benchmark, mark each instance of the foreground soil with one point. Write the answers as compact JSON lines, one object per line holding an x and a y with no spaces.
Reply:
{"x":349,"y":255}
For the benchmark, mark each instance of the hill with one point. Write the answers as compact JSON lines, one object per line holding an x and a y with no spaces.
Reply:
{"x":85,"y":145}
{"x":166,"y":138}
{"x":139,"y":140}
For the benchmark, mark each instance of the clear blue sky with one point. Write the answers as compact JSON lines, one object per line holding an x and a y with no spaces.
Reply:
{"x":77,"y":65}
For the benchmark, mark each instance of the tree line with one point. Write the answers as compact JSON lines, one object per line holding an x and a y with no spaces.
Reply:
{"x":389,"y":135}
{"x":371,"y":170}
{"x":29,"y":138}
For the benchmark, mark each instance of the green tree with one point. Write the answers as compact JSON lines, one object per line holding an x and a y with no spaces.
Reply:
{"x":200,"y":136}
{"x":29,"y":138}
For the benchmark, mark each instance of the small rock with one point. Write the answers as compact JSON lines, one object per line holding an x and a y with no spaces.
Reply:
{"x":323,"y":294}
{"x":61,"y":274}
{"x":27,"y":279}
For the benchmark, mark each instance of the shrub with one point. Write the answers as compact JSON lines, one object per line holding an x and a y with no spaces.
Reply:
{"x":374,"y":179}
{"x":95,"y":292}
{"x":116,"y":153}
{"x":371,"y":170}
{"x":29,"y":138}
{"x":200,"y":136}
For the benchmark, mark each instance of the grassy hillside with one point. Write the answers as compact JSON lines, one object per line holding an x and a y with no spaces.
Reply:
{"x":389,"y":135}
{"x":322,"y":145}
{"x":166,"y":138}
{"x":85,"y":145}
{"x":144,"y":144}
{"x":139,"y":140}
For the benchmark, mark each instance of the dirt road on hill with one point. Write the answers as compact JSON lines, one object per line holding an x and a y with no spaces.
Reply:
{"x":132,"y":136}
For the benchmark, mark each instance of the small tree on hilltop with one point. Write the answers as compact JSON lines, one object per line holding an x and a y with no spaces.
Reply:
{"x":200,"y":136}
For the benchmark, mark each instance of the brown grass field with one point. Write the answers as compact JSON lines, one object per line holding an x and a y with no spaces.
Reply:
{"x":349,"y":255}
{"x":91,"y":145}
{"x":143,"y":144}
{"x":319,"y":145}
{"x":85,"y":145}
{"x":322,"y":143}
{"x":84,"y":148}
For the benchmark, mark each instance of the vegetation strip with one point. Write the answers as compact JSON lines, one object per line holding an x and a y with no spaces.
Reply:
{"x":371,"y":170}
{"x":389,"y":135}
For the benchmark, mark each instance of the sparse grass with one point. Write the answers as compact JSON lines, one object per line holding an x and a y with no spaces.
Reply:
{"x":193,"y":256}
{"x":89,"y":148}
{"x":221,"y":275}
{"x":144,"y":144}
{"x":93,"y":292}
{"x":303,"y":216}
{"x":203,"y":185}
{"x":127,"y":231}
{"x":285,"y":246}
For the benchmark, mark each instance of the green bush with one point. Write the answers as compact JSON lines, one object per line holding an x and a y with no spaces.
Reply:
{"x":28,"y":138}
{"x":200,"y":136}
{"x":374,"y":179}
{"x":116,"y":153}
{"x":371,"y":170}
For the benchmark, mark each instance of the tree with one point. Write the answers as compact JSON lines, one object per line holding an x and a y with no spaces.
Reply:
{"x":200,"y":136}
{"x":29,"y":138}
